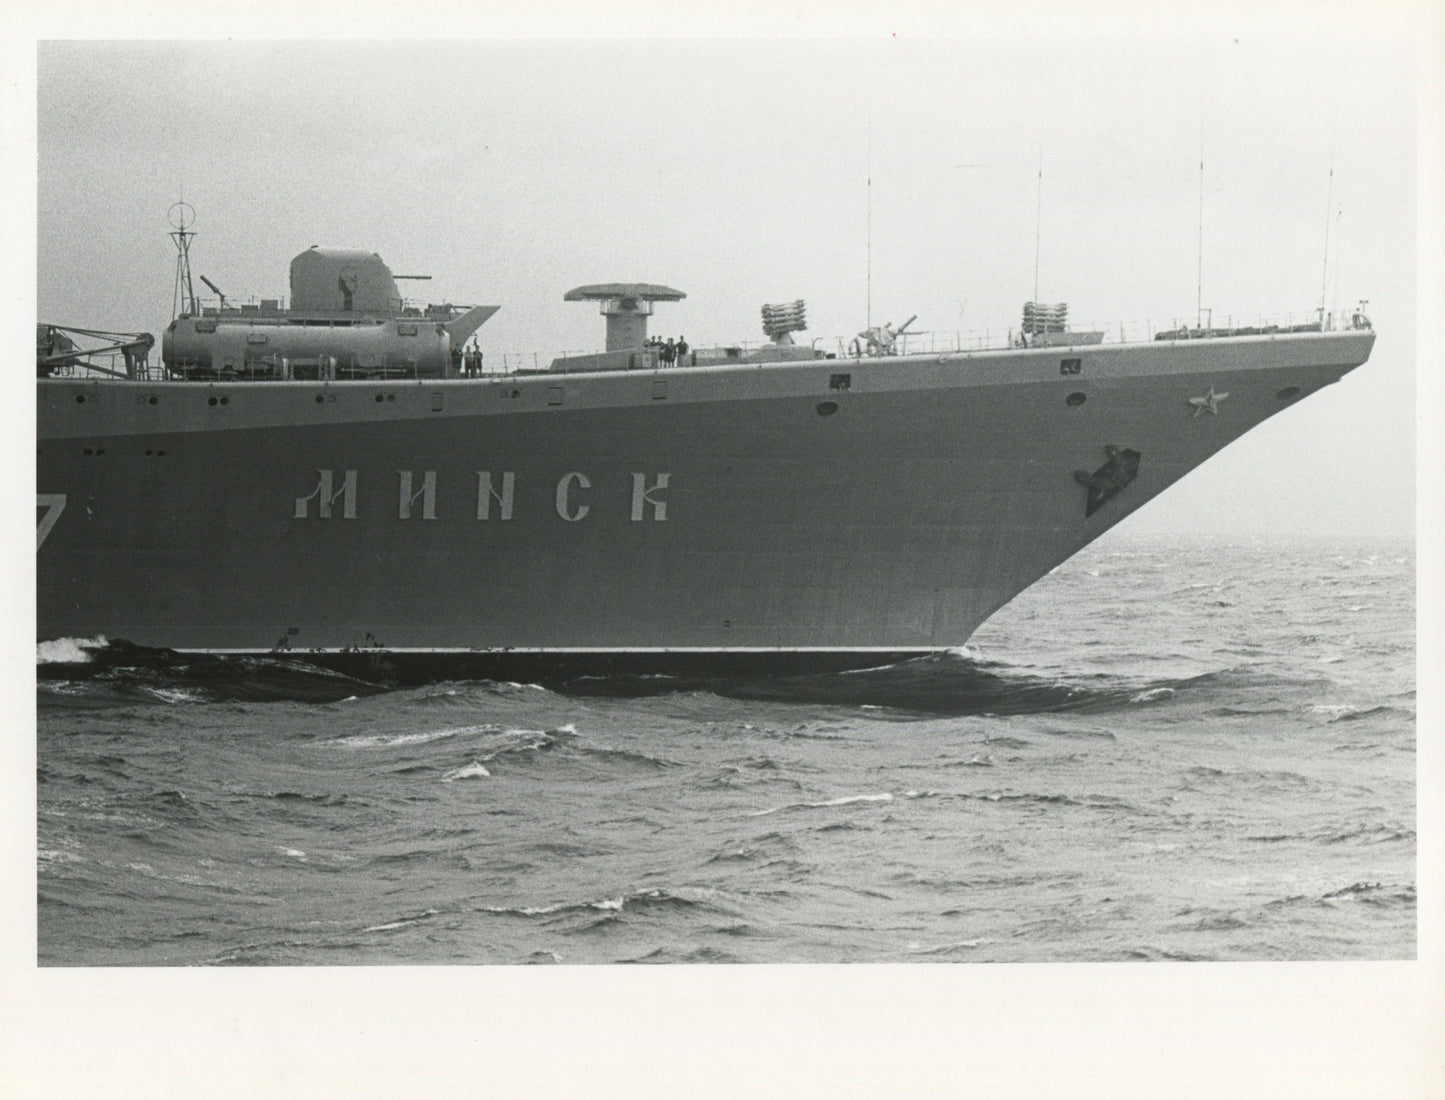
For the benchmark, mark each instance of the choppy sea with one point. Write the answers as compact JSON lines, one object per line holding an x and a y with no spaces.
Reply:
{"x":1166,"y":749}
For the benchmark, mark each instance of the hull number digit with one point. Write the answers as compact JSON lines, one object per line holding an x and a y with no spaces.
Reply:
{"x":54,"y":504}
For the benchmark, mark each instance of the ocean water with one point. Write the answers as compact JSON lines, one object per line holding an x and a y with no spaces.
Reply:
{"x":1164,"y":750}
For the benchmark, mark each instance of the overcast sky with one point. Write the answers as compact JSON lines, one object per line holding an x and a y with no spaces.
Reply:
{"x":738,"y":171}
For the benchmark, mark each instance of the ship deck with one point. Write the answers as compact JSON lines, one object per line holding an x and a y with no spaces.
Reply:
{"x":953,"y":344}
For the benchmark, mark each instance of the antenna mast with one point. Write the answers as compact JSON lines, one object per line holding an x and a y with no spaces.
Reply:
{"x":1199,"y":276}
{"x":1329,"y":202}
{"x":1038,"y":212}
{"x":183,"y":302}
{"x":869,"y":303}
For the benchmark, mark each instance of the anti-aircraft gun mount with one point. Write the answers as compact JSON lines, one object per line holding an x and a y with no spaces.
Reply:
{"x":881,"y":339}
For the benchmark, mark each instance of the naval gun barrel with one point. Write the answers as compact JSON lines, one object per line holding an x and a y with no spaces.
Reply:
{"x":217,"y":291}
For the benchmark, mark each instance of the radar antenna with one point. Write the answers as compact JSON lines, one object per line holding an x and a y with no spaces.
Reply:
{"x":182,"y":216}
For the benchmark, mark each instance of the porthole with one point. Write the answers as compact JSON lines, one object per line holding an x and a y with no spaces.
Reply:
{"x":1076,"y":398}
{"x":379,"y":399}
{"x":211,"y":401}
{"x":1287,"y":393}
{"x":155,"y":400}
{"x":319,"y":399}
{"x":80,"y":399}
{"x":225,"y":401}
{"x":827,"y":408}
{"x":391,"y":397}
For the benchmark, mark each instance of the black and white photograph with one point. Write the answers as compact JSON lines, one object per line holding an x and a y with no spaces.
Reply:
{"x":898,"y":497}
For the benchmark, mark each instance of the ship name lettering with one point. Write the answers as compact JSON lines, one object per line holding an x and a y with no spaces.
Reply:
{"x":486,"y":494}
{"x":642,"y":495}
{"x":325,"y":498}
{"x":427,"y":494}
{"x":336,"y":494}
{"x":564,"y":491}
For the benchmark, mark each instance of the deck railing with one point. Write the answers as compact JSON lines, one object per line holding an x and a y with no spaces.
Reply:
{"x":934,"y":342}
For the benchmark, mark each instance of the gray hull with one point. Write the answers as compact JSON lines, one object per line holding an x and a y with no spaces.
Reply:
{"x":816,"y":514}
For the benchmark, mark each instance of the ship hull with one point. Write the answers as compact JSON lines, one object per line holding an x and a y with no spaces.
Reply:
{"x":799,"y":516}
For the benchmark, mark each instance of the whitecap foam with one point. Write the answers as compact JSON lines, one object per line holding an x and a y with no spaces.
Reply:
{"x":846,"y":800}
{"x":944,"y":948}
{"x":1151,"y":695}
{"x":1335,"y":711}
{"x":606,"y":904}
{"x":474,"y":770}
{"x":861,"y":671}
{"x":390,"y":740}
{"x":56,"y":855}
{"x":403,"y":923}
{"x":69,"y":651}
{"x":884,"y":797}
{"x":176,"y":695}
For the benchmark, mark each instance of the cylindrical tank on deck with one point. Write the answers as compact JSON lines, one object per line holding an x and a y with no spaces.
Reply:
{"x":246,"y":345}
{"x":346,"y":320}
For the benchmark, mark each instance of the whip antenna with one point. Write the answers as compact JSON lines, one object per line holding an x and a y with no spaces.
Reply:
{"x":1329,"y":202}
{"x":868,"y":310}
{"x":1038,"y":210}
{"x":1199,"y":275}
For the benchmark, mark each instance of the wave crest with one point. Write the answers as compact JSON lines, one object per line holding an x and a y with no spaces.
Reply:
{"x":68,"y":651}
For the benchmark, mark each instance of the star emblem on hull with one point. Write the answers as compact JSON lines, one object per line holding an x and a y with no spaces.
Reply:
{"x":1209,"y":403}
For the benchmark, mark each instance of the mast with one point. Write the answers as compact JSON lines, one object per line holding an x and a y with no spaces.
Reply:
{"x":1038,"y":212}
{"x":869,"y":228}
{"x":869,"y":304}
{"x":1329,"y":202}
{"x":1199,"y":274}
{"x":183,"y":301}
